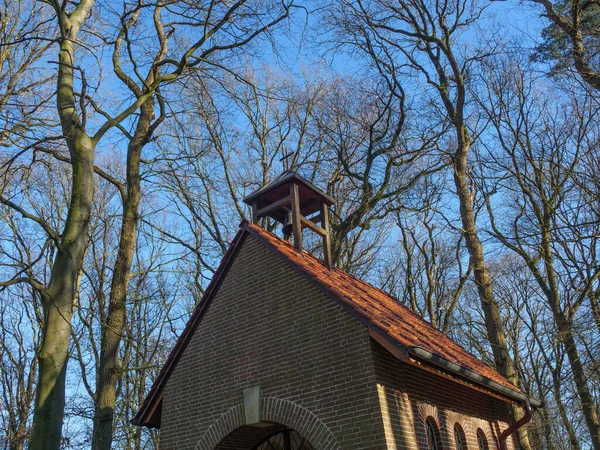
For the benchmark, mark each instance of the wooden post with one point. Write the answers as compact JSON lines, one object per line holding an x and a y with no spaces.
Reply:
{"x":327,"y":237}
{"x":296,"y":222}
{"x":255,"y":212}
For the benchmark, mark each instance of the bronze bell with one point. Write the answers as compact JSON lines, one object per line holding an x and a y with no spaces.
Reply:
{"x":287,"y":226}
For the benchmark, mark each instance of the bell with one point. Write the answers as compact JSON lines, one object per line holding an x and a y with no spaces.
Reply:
{"x":287,"y":226}
{"x":290,"y":192}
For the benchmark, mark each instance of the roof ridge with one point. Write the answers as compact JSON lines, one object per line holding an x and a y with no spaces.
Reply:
{"x":397,"y":325}
{"x":360,"y":280}
{"x":397,"y":302}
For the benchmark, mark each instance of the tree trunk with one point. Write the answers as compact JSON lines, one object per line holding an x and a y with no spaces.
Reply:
{"x":584,"y":69}
{"x":491,"y":310}
{"x":573,"y":441}
{"x":587,"y":400}
{"x":58,"y":301}
{"x":593,"y":297}
{"x":547,"y":432}
{"x":109,"y":371}
{"x":565,"y":332}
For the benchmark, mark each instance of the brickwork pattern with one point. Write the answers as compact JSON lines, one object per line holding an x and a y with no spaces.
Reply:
{"x":270,"y":327}
{"x":301,"y":420}
{"x":409,"y":396}
{"x":318,"y":370}
{"x":274,"y":410}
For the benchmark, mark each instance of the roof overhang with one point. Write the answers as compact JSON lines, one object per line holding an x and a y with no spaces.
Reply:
{"x":149,"y":413}
{"x":283,"y":179}
{"x":410,"y":354}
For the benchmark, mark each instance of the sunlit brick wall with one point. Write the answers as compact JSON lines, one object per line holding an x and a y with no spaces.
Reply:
{"x":269,"y":326}
{"x":410,"y":395}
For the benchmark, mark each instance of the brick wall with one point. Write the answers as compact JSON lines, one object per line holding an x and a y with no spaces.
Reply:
{"x":409,"y":396}
{"x":270,"y":327}
{"x":317,"y":368}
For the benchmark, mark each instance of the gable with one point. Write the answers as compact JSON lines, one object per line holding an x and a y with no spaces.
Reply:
{"x":268,"y":326}
{"x":397,"y":328}
{"x":265,"y":313}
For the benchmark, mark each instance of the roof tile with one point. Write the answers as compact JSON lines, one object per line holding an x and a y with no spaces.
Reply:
{"x":380,"y":308}
{"x":376,"y":307}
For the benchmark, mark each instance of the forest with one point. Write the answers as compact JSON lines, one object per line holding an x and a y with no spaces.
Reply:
{"x":460,"y":140}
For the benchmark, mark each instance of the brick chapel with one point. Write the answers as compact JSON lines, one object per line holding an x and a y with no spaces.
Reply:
{"x":285,"y":352}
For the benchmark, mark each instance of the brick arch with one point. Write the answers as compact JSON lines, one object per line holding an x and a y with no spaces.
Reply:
{"x":229,"y":421}
{"x":453,"y":418}
{"x":276,"y":410}
{"x":425,"y":410}
{"x":488,"y":431}
{"x":469,"y":427}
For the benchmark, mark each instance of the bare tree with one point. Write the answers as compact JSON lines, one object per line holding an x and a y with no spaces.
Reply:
{"x":539,"y":354}
{"x":374,"y":159}
{"x":26,"y":253}
{"x":19,"y":334}
{"x":225,"y":27}
{"x":422,"y":37}
{"x":151,"y":297}
{"x":22,"y":79}
{"x":427,"y":272}
{"x":535,"y":156}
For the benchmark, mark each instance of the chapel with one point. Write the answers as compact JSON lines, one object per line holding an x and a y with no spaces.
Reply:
{"x":287,"y":352}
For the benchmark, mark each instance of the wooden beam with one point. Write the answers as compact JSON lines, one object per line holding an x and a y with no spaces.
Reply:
{"x":313,"y":226}
{"x":327,"y":237}
{"x":273,"y":206}
{"x":296,"y":217}
{"x":255,"y":212}
{"x":389,"y":344}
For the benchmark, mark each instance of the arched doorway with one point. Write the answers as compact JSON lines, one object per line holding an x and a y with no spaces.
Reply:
{"x":264,"y":436}
{"x":229,"y":432}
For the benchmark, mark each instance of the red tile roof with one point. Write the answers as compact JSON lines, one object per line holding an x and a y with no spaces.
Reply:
{"x":381,"y":309}
{"x":392,"y":321}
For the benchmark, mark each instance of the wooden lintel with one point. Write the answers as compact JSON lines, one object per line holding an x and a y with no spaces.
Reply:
{"x":316,"y":219}
{"x":273,"y":206}
{"x":313,"y":226}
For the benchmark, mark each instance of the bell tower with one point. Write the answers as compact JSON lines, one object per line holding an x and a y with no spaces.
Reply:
{"x":294,"y":202}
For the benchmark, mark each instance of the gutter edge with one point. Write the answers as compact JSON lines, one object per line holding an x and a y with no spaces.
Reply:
{"x":439,"y":361}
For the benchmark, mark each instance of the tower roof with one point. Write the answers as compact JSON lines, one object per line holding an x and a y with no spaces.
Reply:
{"x":311,"y":197}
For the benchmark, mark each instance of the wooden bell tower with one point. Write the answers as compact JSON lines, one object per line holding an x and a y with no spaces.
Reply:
{"x":291,"y":200}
